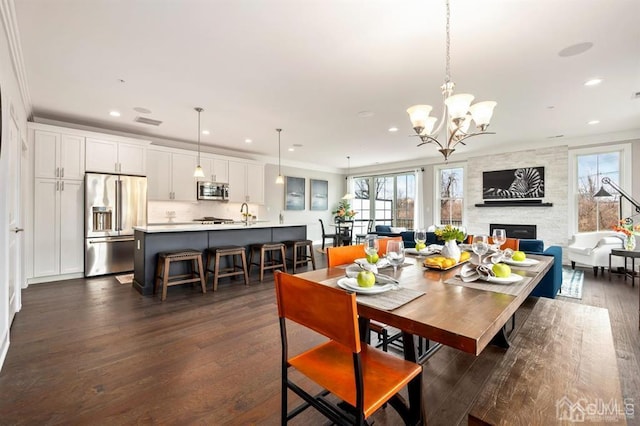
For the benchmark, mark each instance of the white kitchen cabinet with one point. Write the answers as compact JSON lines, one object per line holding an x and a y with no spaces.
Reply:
{"x":58,"y":155}
{"x":170,"y":176}
{"x":215,"y":169}
{"x":58,"y":232}
{"x":246,"y":182}
{"x":108,"y":156}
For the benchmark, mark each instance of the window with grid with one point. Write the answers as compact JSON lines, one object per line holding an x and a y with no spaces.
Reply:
{"x":450,"y":195}
{"x":597,"y":213}
{"x":388,"y":200}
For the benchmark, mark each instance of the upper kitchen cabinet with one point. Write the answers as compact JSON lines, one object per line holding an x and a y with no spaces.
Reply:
{"x":58,"y":155}
{"x":120,"y":157}
{"x":246,"y":182}
{"x":170,"y":175}
{"x":215,"y":169}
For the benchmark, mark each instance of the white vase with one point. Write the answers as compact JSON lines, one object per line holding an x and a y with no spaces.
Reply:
{"x":451,"y":250}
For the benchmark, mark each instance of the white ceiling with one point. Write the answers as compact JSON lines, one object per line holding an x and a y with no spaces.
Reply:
{"x":311,"y":66}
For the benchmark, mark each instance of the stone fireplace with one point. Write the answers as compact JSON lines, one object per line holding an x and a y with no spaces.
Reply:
{"x":516,"y":231}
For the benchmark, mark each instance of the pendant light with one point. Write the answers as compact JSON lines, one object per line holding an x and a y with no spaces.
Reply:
{"x":280,"y":178}
{"x":198,"y":173}
{"x":348,"y":195}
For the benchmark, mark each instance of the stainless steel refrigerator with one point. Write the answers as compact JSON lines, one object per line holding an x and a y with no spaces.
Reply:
{"x":114,"y":204}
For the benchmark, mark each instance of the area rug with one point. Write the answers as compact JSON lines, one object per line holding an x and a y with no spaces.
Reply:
{"x":571,"y":283}
{"x":125,"y":279}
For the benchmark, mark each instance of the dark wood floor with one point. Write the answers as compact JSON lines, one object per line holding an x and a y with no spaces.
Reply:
{"x":96,"y":352}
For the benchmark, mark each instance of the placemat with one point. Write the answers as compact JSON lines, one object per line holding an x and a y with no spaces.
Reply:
{"x":389,"y":300}
{"x":512,"y":289}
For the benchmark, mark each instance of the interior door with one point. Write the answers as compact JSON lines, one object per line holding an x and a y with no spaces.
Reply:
{"x":15,"y":220}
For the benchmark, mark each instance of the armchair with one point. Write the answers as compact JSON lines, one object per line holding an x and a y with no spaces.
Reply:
{"x":593,"y":248}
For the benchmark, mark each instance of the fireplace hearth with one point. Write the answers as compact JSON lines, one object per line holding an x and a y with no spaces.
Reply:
{"x":516,"y":231}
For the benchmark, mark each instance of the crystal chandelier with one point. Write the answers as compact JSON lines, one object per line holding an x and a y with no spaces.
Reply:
{"x":457,"y":113}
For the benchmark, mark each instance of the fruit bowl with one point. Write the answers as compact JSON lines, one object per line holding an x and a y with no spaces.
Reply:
{"x":442,"y":263}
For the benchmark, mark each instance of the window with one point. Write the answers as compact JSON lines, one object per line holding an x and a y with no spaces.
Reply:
{"x":592,"y":213}
{"x":450,"y":196}
{"x":386,"y":199}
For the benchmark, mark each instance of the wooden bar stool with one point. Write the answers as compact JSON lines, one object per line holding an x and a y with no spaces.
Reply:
{"x":267,"y":260}
{"x":194,"y":257}
{"x":217,"y":254}
{"x":301,"y":253}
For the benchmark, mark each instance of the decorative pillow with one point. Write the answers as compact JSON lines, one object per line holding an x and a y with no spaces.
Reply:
{"x":383,"y":228}
{"x":397,"y":230}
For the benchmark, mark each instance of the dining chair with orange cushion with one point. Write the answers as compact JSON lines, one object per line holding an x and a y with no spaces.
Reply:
{"x":343,"y":255}
{"x":360,"y":375}
{"x":383,"y":244}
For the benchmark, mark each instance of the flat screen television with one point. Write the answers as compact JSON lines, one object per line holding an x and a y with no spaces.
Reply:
{"x":525,"y":183}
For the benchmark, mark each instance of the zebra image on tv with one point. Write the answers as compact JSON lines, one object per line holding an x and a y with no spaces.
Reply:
{"x":523,"y":183}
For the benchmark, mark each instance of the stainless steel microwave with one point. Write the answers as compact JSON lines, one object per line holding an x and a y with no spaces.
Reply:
{"x":213,"y":191}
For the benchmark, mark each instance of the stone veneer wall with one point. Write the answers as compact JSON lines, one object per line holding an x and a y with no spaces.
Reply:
{"x":552,"y":222}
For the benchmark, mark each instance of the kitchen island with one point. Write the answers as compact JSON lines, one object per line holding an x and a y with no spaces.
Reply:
{"x":153,"y":239}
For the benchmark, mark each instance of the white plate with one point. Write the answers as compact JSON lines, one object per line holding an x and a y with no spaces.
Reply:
{"x":382,"y":262}
{"x":513,"y":278}
{"x":424,"y":251}
{"x":526,"y":262}
{"x":351,"y":284}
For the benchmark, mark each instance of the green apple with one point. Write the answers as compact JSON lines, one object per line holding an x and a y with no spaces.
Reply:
{"x":366,"y":279}
{"x":373,"y":258}
{"x":518,"y":256}
{"x":421,"y":246}
{"x":502,"y":270}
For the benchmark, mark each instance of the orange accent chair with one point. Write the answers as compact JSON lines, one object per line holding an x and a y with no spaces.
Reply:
{"x":342,"y":255}
{"x":362,"y":376}
{"x":383,"y":244}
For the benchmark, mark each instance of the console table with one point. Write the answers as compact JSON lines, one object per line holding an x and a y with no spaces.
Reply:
{"x":627,"y":254}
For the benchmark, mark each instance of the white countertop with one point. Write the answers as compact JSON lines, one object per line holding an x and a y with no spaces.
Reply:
{"x":182,"y":227}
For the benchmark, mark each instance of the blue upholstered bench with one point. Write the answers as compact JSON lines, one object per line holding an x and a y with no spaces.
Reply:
{"x":551,"y":282}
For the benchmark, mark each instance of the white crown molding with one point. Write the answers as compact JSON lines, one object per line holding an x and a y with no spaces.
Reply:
{"x":8,"y":13}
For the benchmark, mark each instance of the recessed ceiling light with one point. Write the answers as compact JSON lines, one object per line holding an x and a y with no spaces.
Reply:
{"x":575,"y":49}
{"x":291,"y":149}
{"x":114,"y":114}
{"x":393,"y":129}
{"x":593,"y":82}
{"x":205,"y":132}
{"x":248,"y":141}
{"x":594,"y":122}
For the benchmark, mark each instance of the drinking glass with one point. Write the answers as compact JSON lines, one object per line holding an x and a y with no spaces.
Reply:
{"x":395,"y":254}
{"x":480,"y":246}
{"x":420,"y":237}
{"x":371,"y":245}
{"x":499,"y":237}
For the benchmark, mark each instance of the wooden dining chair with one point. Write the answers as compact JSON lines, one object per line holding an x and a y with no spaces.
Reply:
{"x":360,"y":237}
{"x":345,"y":255}
{"x":362,"y":376}
{"x":333,"y":237}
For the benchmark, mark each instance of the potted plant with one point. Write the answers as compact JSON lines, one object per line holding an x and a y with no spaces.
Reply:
{"x":626,"y":227}
{"x":343,"y":211}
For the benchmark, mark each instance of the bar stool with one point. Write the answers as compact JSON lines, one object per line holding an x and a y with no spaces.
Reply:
{"x":267,"y":250}
{"x":233,"y":269}
{"x":300,"y":254}
{"x":193,"y":257}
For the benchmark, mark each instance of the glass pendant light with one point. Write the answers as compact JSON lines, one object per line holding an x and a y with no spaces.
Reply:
{"x":348,"y":195}
{"x":198,"y":173}
{"x":280,"y":178}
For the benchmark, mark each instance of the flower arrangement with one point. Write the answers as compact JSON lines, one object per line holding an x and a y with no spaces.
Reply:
{"x":449,"y":233}
{"x":344,"y":211}
{"x":626,"y":227}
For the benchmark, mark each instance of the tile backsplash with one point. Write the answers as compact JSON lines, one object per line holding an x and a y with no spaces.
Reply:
{"x":185,"y":211}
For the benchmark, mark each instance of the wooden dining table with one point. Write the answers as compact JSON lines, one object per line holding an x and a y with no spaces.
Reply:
{"x":448,"y":312}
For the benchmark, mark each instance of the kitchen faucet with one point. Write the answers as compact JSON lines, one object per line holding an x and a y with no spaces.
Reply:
{"x":246,"y":216}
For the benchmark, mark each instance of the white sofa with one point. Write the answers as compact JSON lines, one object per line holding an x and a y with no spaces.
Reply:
{"x":593,"y":248}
